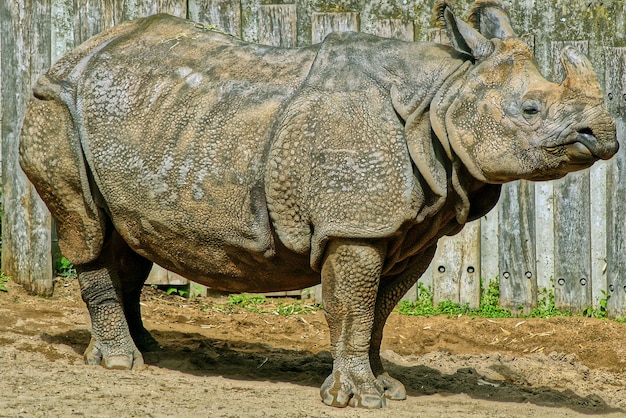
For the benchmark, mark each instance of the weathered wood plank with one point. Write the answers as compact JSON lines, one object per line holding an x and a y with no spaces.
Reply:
{"x":598,"y":219}
{"x":445,"y":271}
{"x":132,"y":9}
{"x":456,"y":267}
{"x":572,"y":243}
{"x":489,"y":259}
{"x":87,"y":19}
{"x":518,"y":273}
{"x":160,"y":276}
{"x":470,"y":268}
{"x":395,"y":28}
{"x":225,"y":14}
{"x":26,"y":254}
{"x":544,"y":222}
{"x":40,"y":219}
{"x":572,"y":223}
{"x":324,"y":23}
{"x":62,"y":28}
{"x":277,"y":25}
{"x":616,"y":230}
{"x":615,"y":90}
{"x":112,"y":13}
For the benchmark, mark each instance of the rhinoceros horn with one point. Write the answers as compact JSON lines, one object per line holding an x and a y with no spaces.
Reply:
{"x":580,"y":75}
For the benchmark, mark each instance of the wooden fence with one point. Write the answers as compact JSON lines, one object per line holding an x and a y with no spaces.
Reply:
{"x":565,"y":236}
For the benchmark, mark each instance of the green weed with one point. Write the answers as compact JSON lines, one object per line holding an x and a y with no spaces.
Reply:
{"x":490,"y":306}
{"x":295,"y":308}
{"x":173,"y":290}
{"x":3,"y":280}
{"x":424,"y":306}
{"x":65,"y":269}
{"x":490,"y":301}
{"x":261,"y":304}
{"x":546,"y":307}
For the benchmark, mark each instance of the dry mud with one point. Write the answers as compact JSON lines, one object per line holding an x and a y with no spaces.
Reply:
{"x":218,"y":362}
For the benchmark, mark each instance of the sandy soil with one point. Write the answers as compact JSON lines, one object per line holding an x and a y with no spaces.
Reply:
{"x":219,"y":362}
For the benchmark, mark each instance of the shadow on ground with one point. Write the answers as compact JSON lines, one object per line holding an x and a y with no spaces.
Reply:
{"x":198,"y":355}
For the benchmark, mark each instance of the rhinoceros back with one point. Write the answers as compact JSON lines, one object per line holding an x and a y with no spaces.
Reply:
{"x":175,"y":121}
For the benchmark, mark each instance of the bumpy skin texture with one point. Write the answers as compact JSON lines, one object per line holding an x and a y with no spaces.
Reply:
{"x":252,"y":168}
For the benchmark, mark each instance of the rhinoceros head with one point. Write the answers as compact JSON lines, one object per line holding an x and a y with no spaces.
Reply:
{"x":504,"y":120}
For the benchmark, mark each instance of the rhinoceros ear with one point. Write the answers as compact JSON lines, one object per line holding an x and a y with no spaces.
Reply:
{"x":463,"y":37}
{"x":491,"y":20}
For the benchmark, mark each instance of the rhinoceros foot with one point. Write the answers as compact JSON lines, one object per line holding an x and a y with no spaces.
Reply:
{"x":394,"y":390}
{"x":98,"y":354}
{"x":341,"y":389}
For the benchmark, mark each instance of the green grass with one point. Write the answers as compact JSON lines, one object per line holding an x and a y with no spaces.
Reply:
{"x":260,"y":304}
{"x":64,"y":268}
{"x":3,"y":280}
{"x":247,"y":301}
{"x":489,"y":305}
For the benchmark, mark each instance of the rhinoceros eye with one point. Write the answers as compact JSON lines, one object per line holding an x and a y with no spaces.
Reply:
{"x":531,"y":108}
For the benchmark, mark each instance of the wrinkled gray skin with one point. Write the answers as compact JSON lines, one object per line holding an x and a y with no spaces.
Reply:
{"x":252,"y":168}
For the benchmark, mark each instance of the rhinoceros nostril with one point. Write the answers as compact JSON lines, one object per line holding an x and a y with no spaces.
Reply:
{"x":586,"y":131}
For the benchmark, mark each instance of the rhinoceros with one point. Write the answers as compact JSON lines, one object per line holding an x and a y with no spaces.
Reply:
{"x":254,"y":168}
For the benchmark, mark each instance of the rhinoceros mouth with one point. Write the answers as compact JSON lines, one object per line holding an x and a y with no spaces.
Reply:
{"x":580,"y":154}
{"x":584,"y":149}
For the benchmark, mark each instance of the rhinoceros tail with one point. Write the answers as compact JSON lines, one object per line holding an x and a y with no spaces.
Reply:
{"x":46,"y":89}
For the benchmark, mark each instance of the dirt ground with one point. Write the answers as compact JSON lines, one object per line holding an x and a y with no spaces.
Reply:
{"x":217,"y":362}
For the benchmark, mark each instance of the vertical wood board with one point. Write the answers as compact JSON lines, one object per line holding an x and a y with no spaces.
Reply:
{"x":456,"y":267}
{"x":395,"y":28}
{"x":572,"y":222}
{"x":518,"y":273}
{"x":324,"y":23}
{"x":26,"y":254}
{"x":225,"y":14}
{"x":598,"y":215}
{"x":615,"y":90}
{"x":40,"y":253}
{"x":277,"y":25}
{"x":489,"y":247}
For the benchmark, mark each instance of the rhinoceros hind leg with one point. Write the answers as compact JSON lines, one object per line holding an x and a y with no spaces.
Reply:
{"x":110,"y":286}
{"x":132,"y":271}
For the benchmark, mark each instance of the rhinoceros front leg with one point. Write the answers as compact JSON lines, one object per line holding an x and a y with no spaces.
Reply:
{"x":390,"y":292}
{"x":350,"y":279}
{"x":109,"y":288}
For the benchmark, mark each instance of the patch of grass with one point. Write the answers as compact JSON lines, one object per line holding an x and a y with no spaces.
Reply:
{"x":601,"y":311}
{"x":545,"y":306}
{"x":490,"y":306}
{"x":424,"y":306}
{"x":260,"y":304}
{"x":179,"y":291}
{"x":65,"y":268}
{"x":295,"y":308}
{"x":3,"y":280}
{"x":247,"y":301}
{"x":490,"y":302}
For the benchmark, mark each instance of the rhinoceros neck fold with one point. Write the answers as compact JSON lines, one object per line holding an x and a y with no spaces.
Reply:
{"x":441,"y":103}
